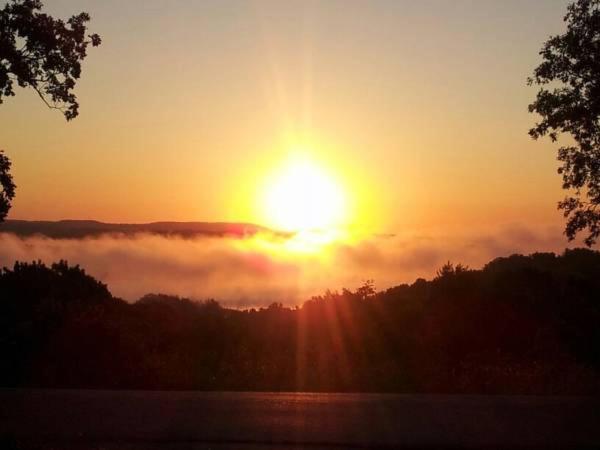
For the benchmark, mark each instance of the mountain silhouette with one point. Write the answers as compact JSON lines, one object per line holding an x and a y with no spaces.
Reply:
{"x":77,"y":229}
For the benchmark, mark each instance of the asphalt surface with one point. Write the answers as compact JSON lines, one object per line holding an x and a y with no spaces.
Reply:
{"x":131,"y":420}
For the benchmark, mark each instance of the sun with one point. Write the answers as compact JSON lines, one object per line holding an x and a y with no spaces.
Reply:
{"x":301,"y":196}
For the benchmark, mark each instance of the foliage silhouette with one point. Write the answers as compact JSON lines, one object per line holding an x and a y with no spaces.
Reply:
{"x":569,"y":103}
{"x":523,"y":324}
{"x":43,"y":53}
{"x":448,"y":269}
{"x":7,"y":186}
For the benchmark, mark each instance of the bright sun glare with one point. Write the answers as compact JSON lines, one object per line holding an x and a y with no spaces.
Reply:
{"x":301,"y":197}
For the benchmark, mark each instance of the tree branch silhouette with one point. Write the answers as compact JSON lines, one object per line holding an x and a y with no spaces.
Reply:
{"x":569,"y":103}
{"x":39,"y":51}
{"x":44,"y":53}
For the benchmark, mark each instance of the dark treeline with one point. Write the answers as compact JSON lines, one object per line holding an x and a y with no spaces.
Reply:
{"x":522,"y":324}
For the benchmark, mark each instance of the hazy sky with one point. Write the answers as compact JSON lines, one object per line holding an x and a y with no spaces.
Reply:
{"x":419,"y":107}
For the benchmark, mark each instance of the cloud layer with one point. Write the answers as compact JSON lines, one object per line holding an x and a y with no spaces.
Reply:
{"x":256,"y":271}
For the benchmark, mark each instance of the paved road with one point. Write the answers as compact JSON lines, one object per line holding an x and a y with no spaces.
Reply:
{"x":185,"y":420}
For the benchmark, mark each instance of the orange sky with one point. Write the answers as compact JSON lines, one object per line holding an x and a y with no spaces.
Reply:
{"x":419,"y":108}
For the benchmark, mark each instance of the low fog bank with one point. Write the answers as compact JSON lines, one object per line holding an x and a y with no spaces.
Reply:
{"x":258,"y":270}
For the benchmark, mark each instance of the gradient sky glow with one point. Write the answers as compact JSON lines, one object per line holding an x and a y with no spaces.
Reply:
{"x":419,"y":107}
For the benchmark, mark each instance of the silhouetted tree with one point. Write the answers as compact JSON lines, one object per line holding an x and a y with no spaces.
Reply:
{"x":7,"y":187}
{"x":366,"y":290}
{"x":450,"y":269}
{"x":569,"y":103}
{"x":42,"y":52}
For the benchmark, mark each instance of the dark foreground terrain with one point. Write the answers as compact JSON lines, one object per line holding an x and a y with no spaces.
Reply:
{"x":80,"y":419}
{"x":520,"y":325}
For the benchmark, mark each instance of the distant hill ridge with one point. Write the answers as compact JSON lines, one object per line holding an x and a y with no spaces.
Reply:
{"x":77,"y":229}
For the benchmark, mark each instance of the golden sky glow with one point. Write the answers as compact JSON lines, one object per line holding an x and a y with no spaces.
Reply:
{"x":413,"y":114}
